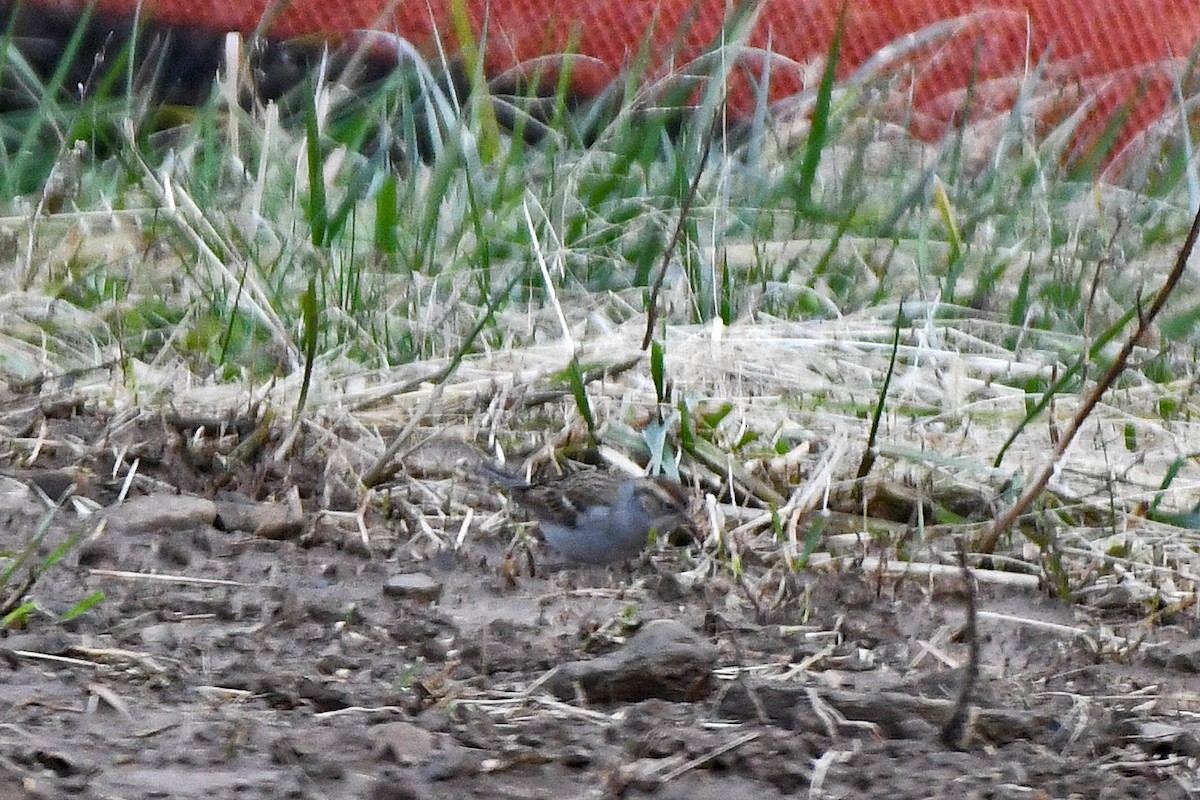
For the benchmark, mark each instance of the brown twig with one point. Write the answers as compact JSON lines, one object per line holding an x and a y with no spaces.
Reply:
{"x":1145,"y":320}
{"x":954,"y":731}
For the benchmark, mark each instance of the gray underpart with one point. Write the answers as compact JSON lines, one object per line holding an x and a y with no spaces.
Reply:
{"x":603,"y":534}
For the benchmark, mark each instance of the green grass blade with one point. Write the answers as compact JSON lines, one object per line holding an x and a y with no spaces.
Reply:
{"x":83,"y":606}
{"x":575,"y":382}
{"x":819,"y":130}
{"x":310,"y":313}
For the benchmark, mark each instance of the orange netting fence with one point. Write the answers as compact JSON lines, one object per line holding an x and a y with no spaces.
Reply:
{"x":1105,"y":57}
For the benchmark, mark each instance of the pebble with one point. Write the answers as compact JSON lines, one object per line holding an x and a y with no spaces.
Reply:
{"x":664,"y":659}
{"x":413,"y":585}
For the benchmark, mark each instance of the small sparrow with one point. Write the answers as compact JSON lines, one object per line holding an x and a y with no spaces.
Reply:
{"x":597,"y":517}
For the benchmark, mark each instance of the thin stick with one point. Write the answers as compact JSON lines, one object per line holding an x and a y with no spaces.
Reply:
{"x":1006,"y":520}
{"x":709,"y":756}
{"x":955,"y":731}
{"x":164,"y":577}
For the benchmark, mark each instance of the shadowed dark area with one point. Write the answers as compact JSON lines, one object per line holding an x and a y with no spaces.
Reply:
{"x":177,"y":64}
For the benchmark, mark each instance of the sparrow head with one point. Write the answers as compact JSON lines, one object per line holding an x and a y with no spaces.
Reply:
{"x":660,"y":497}
{"x":668,"y":506}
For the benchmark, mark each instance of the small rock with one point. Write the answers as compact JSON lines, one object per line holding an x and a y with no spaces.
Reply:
{"x":576,"y":756}
{"x":323,"y":754}
{"x":1183,"y":656}
{"x":162,"y":513}
{"x":413,"y":585}
{"x":402,"y":742}
{"x":454,"y":762}
{"x":664,"y":659}
{"x":336,"y":662}
{"x":267,"y":520}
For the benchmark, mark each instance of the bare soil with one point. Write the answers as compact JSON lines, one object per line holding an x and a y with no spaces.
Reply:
{"x":265,"y":635}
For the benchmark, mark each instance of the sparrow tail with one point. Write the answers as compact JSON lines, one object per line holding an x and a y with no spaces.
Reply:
{"x":500,"y":476}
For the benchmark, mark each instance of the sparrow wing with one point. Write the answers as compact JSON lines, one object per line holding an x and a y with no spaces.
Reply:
{"x":570,"y":501}
{"x":549,"y":503}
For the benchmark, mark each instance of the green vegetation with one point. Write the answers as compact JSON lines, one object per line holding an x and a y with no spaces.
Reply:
{"x":21,"y":570}
{"x":933,"y":301}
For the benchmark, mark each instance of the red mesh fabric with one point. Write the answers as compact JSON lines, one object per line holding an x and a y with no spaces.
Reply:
{"x":1100,"y":52}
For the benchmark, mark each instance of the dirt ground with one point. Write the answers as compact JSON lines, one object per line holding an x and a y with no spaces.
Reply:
{"x":264,"y":636}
